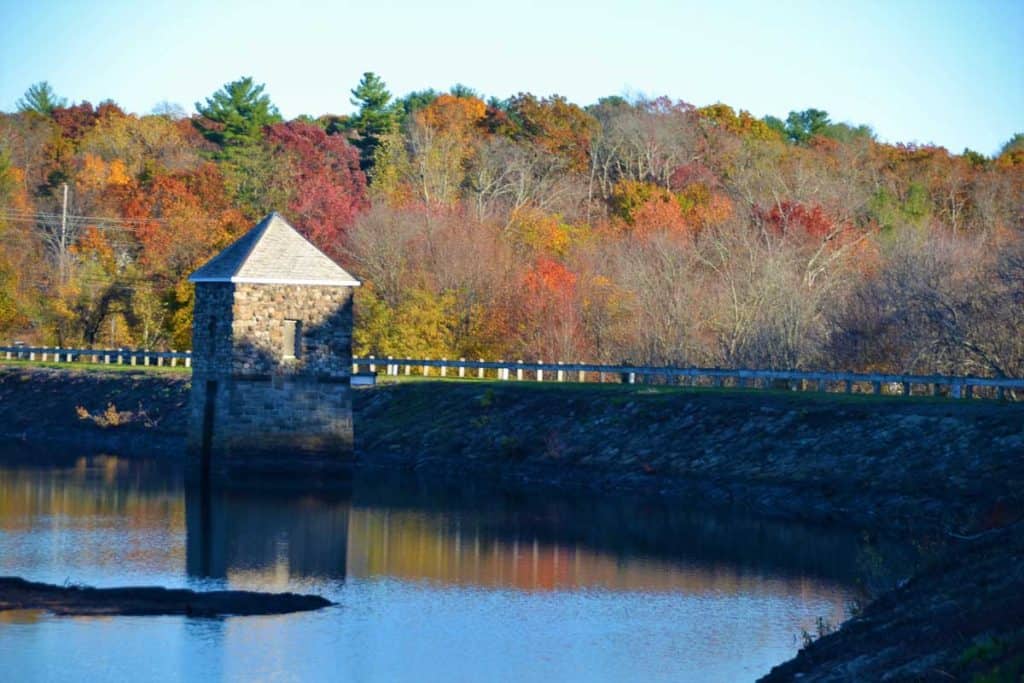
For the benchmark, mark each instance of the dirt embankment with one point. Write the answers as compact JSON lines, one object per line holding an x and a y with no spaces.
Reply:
{"x":140,"y":412}
{"x":961,"y":619}
{"x":880,"y":462}
{"x":859,"y":460}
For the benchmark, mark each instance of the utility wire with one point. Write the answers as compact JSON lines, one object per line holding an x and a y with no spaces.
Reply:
{"x":41,"y":216}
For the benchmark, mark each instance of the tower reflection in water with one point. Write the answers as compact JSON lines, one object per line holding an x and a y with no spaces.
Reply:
{"x":267,"y":536}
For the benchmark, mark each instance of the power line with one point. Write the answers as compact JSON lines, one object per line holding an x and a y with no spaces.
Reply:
{"x":41,"y":216}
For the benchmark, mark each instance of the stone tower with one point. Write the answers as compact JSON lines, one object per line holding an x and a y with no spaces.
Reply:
{"x":271,"y":356}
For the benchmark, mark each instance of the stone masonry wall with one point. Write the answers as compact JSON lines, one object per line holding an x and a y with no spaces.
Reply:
{"x":287,"y":423}
{"x":211,"y":328}
{"x":258,"y":327}
{"x":272,"y":412}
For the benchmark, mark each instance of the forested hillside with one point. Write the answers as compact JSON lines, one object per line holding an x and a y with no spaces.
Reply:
{"x":645,"y":230}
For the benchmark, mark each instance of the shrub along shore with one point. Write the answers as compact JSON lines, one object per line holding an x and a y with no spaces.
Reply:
{"x":949,"y":470}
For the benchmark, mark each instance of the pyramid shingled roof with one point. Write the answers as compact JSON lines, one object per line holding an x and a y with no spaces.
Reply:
{"x":274,"y":253}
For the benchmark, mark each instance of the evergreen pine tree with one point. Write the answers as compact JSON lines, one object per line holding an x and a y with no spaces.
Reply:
{"x":374,"y":119}
{"x":239,"y":111}
{"x":41,"y":99}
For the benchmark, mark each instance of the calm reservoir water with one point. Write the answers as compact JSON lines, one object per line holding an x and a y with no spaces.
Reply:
{"x":434,"y":582}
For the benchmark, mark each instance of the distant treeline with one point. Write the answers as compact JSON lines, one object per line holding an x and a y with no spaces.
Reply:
{"x":643,"y":230}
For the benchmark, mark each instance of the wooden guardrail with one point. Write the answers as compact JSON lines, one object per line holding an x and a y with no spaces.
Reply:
{"x":57,"y":354}
{"x":848,"y":382}
{"x":797,"y":380}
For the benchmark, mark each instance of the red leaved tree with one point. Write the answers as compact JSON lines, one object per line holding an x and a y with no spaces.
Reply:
{"x":328,"y":188}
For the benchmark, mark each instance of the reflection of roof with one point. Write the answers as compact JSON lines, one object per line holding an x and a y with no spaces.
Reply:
{"x":273,"y":253}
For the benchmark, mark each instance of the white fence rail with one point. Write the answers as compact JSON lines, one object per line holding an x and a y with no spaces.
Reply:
{"x":796,"y":380}
{"x":57,"y":354}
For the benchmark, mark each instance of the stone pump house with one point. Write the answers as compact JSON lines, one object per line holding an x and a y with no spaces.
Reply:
{"x":271,"y":355}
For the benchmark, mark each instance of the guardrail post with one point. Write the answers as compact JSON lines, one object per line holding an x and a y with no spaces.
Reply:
{"x":935,"y":388}
{"x":968,"y":391}
{"x":373,"y":366}
{"x":444,"y":368}
{"x":8,"y":355}
{"x":956,"y":389}
{"x":822,"y":385}
{"x":600,"y":377}
{"x":408,"y":367}
{"x":632,"y":378}
{"x":876,"y":388}
{"x":188,"y":359}
{"x":426,"y":369}
{"x":174,"y":359}
{"x":31,"y":355}
{"x":581,"y":377}
{"x":502,"y":372}
{"x":132,"y":358}
{"x":906,"y":388}
{"x":159,"y":361}
{"x":539,"y":373}
{"x":560,"y":375}
{"x":462,"y":368}
{"x":480,"y":371}
{"x":519,"y":372}
{"x":145,"y":357}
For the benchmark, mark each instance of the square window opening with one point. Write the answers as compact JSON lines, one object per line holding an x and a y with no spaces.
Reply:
{"x":291,"y":340}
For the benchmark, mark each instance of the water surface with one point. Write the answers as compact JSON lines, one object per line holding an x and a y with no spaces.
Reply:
{"x":434,"y":582}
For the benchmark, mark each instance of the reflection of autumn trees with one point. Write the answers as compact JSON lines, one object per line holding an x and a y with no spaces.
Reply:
{"x":93,"y":497}
{"x":125,"y":514}
{"x":417,"y":547}
{"x":531,"y":227}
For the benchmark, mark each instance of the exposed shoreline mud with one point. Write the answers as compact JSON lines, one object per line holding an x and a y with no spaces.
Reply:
{"x":961,"y":618}
{"x":859,"y":461}
{"x":20,"y":594}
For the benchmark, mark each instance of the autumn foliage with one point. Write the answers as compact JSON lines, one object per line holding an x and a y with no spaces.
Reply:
{"x":327,"y":190}
{"x":646,"y":230}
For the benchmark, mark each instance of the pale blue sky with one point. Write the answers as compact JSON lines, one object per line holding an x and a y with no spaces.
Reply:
{"x":950,"y":73}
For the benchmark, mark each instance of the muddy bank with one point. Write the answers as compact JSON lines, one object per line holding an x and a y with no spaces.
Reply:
{"x":19,"y":594}
{"x":878,"y":462}
{"x":863,"y":461}
{"x":960,"y":619}
{"x":117,"y":412}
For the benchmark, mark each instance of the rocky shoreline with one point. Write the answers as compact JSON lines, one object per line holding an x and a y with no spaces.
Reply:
{"x":960,"y":619}
{"x":911,"y":468}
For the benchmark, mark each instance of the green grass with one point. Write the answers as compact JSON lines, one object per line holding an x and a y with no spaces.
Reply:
{"x":94,"y":367}
{"x":611,"y":388}
{"x":616,"y":388}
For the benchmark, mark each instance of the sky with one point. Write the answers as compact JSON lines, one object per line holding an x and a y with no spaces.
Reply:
{"x":947,"y":73}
